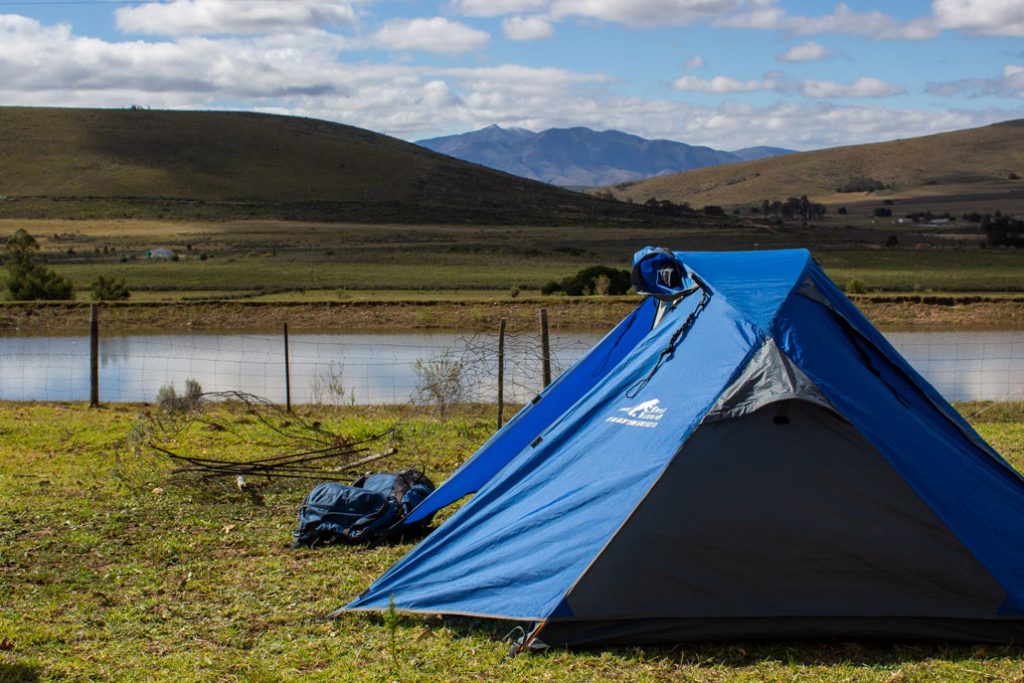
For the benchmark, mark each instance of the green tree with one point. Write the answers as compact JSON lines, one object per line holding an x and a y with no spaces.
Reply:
{"x":28,"y":277}
{"x":109,"y":289}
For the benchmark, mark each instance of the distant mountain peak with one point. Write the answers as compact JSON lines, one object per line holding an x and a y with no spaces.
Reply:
{"x":578,"y":156}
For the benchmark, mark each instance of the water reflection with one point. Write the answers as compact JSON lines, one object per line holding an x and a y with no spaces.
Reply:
{"x":381,"y":368}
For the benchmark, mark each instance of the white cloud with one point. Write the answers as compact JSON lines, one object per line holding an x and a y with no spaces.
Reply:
{"x":644,"y":12}
{"x":720,"y":85}
{"x":766,"y":14}
{"x":724,"y":85}
{"x":436,"y":34}
{"x":981,"y":17}
{"x":806,"y":52}
{"x":1009,"y":84}
{"x":188,"y":17}
{"x":695,"y":62}
{"x":527,"y":28}
{"x":495,"y":8}
{"x":862,"y":87}
{"x":302,"y":75}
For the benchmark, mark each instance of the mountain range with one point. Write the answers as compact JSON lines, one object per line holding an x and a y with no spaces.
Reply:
{"x":581,"y":157}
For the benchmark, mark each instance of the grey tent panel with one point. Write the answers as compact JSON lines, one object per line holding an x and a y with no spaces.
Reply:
{"x":769,"y":377}
{"x":758,"y":517}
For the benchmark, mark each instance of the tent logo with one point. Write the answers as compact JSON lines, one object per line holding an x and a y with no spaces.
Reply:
{"x":646,"y":414}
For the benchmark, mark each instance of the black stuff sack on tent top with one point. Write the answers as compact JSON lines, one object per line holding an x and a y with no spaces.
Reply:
{"x":370,"y":510}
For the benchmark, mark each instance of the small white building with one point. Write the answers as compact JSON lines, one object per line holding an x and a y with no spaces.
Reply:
{"x":160,"y":253}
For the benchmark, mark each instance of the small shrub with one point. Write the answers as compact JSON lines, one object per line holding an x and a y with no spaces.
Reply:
{"x":585,"y":282}
{"x":842,"y":211}
{"x":892,"y":241}
{"x":883,"y":212}
{"x":861,"y":185}
{"x":169,"y":400}
{"x":440,"y":382}
{"x":329,"y":387}
{"x":1013,"y":176}
{"x":855,"y":286}
{"x":109,"y":289}
{"x":514,"y":292}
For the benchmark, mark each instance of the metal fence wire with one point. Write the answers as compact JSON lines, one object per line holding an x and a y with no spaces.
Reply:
{"x":392,"y":368}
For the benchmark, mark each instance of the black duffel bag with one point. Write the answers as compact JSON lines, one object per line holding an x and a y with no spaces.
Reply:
{"x":370,"y":510}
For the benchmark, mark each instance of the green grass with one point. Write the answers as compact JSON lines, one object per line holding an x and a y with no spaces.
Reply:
{"x":99,"y":580}
{"x":282,"y":274}
{"x":952,"y":270}
{"x":272,"y":258}
{"x":902,"y":271}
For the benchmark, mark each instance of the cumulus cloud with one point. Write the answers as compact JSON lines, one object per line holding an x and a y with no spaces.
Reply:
{"x":1009,"y":84}
{"x":720,"y":85}
{"x":645,"y":13}
{"x":527,"y":28}
{"x":862,"y":87}
{"x":495,"y":8}
{"x":436,"y":34}
{"x":189,"y":17}
{"x":724,"y":85}
{"x":767,"y":14}
{"x":806,"y":52}
{"x":695,"y":62}
{"x":981,"y":17}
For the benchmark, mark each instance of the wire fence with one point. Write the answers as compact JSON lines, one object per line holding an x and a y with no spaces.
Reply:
{"x":322,"y":368}
{"x":393,"y":368}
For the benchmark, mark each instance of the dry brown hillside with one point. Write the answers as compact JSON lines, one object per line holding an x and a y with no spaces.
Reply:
{"x":143,"y":163}
{"x":982,"y":162}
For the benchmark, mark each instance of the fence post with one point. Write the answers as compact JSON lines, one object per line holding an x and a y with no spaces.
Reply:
{"x":94,"y":357}
{"x":545,"y":347}
{"x":287,"y":373}
{"x":501,"y":373}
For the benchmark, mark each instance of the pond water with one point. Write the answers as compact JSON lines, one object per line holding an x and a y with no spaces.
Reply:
{"x":388,"y":368}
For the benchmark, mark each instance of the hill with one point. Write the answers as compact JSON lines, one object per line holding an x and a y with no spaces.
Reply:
{"x":92,"y":163}
{"x":581,"y":157}
{"x":979,"y":166}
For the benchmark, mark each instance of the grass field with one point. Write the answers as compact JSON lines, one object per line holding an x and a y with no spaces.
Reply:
{"x":335,"y":261}
{"x":100,"y":580}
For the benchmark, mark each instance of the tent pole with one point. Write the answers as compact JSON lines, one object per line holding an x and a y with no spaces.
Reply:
{"x":501,"y":373}
{"x":545,"y":346}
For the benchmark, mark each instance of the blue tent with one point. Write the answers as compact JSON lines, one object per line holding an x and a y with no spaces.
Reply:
{"x":743,"y":456}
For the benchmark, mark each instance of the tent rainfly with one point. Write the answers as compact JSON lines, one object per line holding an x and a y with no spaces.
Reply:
{"x":744,"y":456}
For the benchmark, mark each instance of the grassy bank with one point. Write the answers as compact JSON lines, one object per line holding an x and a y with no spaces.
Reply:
{"x":99,"y":580}
{"x":480,"y":312}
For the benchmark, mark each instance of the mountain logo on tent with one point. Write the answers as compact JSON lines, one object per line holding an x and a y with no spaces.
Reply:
{"x":646,"y":414}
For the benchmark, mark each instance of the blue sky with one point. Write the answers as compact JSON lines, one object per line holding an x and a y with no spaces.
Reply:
{"x":725,"y":73}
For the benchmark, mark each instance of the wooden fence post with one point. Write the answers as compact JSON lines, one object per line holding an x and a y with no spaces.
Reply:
{"x":94,"y":357}
{"x":545,"y":347}
{"x":287,"y":373}
{"x":501,"y":373}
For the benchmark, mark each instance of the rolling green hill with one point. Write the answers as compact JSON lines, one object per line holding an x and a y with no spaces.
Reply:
{"x":134,"y":163}
{"x":978,"y":165}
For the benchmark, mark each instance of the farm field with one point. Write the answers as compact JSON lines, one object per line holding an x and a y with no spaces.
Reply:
{"x":253,"y":259}
{"x":101,"y":579}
